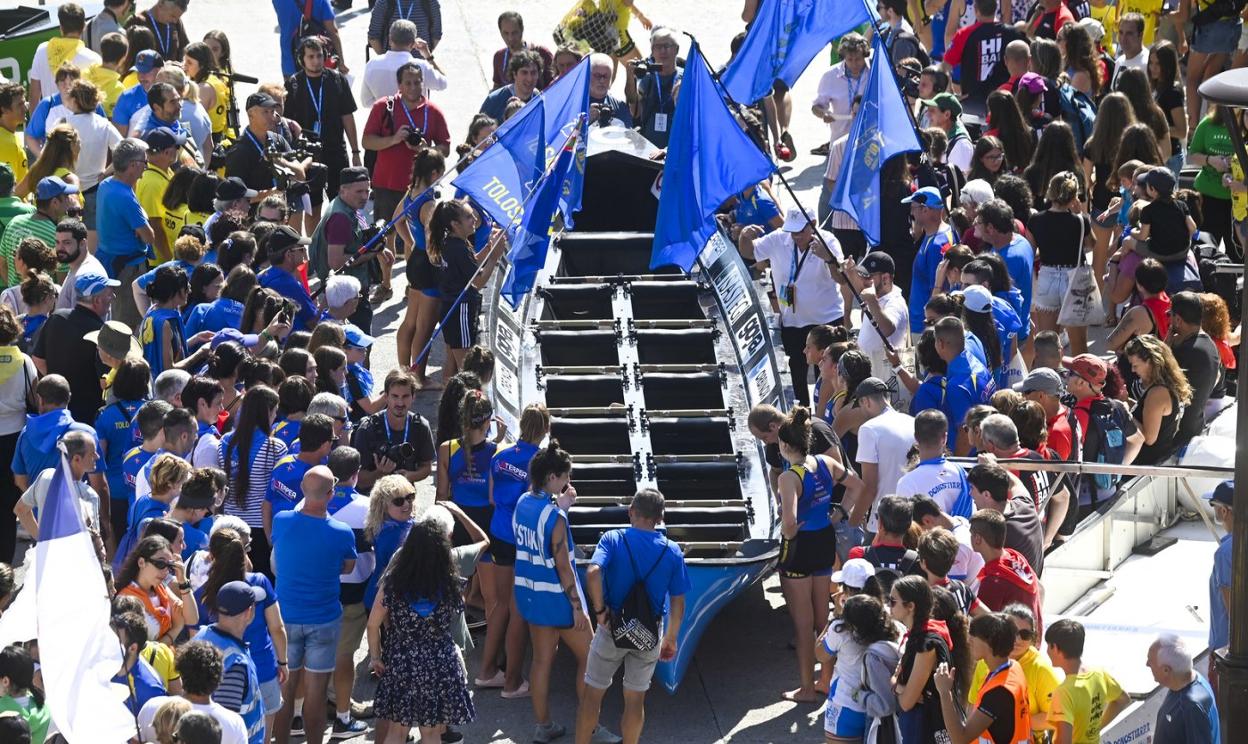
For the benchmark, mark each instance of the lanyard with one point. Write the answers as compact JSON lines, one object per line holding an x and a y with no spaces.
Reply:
{"x":412,"y":121}
{"x":506,"y":50}
{"x":316,"y":99}
{"x":167,"y":41}
{"x":854,"y":84}
{"x":658,"y":88}
{"x":254,"y":141}
{"x":796,"y":267}
{"x":407,"y":424}
{"x":398,"y":6}
{"x":997,"y":671}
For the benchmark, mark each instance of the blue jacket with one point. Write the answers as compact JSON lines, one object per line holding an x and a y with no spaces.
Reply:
{"x":36,"y":446}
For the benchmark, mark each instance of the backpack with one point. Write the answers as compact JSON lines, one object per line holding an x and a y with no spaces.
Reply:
{"x":1105,"y":440}
{"x":887,"y":574}
{"x":310,"y":28}
{"x":636,"y":626}
{"x":1078,"y":111}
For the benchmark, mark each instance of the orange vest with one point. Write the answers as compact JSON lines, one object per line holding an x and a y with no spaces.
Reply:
{"x":1016,"y":682}
{"x":162,"y":612}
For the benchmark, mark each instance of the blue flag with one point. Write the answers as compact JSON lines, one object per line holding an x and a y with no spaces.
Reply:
{"x":709,"y":158}
{"x":530,"y":238}
{"x":785,"y":36}
{"x":882,"y":128}
{"x":502,"y":176}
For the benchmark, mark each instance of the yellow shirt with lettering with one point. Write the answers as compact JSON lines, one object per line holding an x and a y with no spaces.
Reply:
{"x":1150,"y":9}
{"x":151,"y":192}
{"x":1081,"y":699}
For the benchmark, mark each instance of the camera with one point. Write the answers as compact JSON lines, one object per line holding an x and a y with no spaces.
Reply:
{"x":910,"y":79}
{"x":604,"y":114}
{"x":396,"y":453}
{"x":305,"y":147}
{"x":216,"y":158}
{"x":416,"y":138}
{"x":371,"y":232}
{"x":645,"y":67}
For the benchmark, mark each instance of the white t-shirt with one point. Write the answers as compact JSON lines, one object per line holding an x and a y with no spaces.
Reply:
{"x":839,"y":642}
{"x":98,"y":137}
{"x":961,"y":153}
{"x":37,"y":494}
{"x":378,"y":79}
{"x":818,"y":294}
{"x":836,"y":92}
{"x":885,"y":441}
{"x":68,"y":296}
{"x":1138,"y":62}
{"x":233,"y":730}
{"x":942,"y":482}
{"x":205,"y":454}
{"x":966,"y":566}
{"x":893,"y":306}
{"x":13,"y":298}
{"x":40,"y":69}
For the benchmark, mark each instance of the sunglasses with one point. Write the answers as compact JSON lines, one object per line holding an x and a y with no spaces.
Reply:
{"x":160,"y":564}
{"x":1026,"y":635}
{"x":401,"y":500}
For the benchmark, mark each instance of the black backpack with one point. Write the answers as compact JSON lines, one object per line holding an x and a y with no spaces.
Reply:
{"x":636,"y":626}
{"x":887,"y":573}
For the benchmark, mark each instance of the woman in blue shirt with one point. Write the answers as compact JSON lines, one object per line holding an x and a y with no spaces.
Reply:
{"x":509,"y":479}
{"x":163,"y":335}
{"x":114,"y":430}
{"x":423,"y":299}
{"x":226,"y":311}
{"x":391,"y":507}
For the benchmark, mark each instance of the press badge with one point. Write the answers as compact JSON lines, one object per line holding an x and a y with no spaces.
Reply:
{"x":660,"y":122}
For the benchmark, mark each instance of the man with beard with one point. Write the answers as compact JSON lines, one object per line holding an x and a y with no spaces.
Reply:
{"x":71,"y":250}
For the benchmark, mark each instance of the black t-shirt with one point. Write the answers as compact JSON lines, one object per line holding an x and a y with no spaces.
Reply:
{"x":983,"y":59}
{"x":1057,"y":236}
{"x":374,"y":435}
{"x":333,"y":95}
{"x":1169,"y":100}
{"x":246,"y":159}
{"x":998,"y":704}
{"x":1168,"y":235}
{"x":61,"y":345}
{"x":459,"y":264}
{"x":1198,"y":356}
{"x":822,"y":439}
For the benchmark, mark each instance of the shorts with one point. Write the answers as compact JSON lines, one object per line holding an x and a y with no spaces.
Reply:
{"x":626,"y":45}
{"x":354,"y":622}
{"x":847,"y":538}
{"x":88,"y":207}
{"x":503,"y":552}
{"x":314,"y":647}
{"x":482,"y":516}
{"x":605,"y":659}
{"x":844,"y":723}
{"x":779,"y":87}
{"x":385,"y":201}
{"x":271,"y":694}
{"x":1050,"y":288}
{"x":462,"y":328}
{"x":420,"y":274}
{"x":1219,"y":37}
{"x":809,"y":553}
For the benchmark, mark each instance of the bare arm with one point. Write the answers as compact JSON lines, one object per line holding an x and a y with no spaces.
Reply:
{"x":26,"y":516}
{"x":790,"y":484}
{"x":442,"y":481}
{"x":353,"y":140}
{"x":862,"y":504}
{"x":924,"y":665}
{"x":567,"y":574}
{"x":1133,"y":323}
{"x":146,"y":234}
{"x":1134,"y":443}
{"x":277,"y":632}
{"x":1116,"y":706}
{"x":1156,"y":405}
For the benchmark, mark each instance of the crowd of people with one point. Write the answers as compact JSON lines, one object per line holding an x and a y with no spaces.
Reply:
{"x":187,"y":319}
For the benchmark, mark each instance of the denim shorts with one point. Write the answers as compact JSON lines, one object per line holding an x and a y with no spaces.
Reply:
{"x":1050,"y":288}
{"x":88,"y":208}
{"x":605,"y":659}
{"x":313,"y":647}
{"x":271,"y":694}
{"x":1219,"y":37}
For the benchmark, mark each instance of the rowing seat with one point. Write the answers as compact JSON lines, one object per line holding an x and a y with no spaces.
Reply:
{"x":676,"y":346}
{"x":682,"y":390}
{"x":592,"y":436}
{"x":584,"y":348}
{"x":583,"y":391}
{"x":690,"y":435}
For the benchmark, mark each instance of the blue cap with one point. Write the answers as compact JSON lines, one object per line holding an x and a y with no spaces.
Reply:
{"x":52,"y":187}
{"x":357,"y":337}
{"x":236,"y":597}
{"x":89,"y":285}
{"x":163,"y":138}
{"x":928,"y":196}
{"x":1224,"y":494}
{"x":148,"y":60}
{"x":233,"y":334}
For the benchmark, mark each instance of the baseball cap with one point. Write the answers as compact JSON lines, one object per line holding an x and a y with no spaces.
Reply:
{"x":263,"y":100}
{"x":870,"y":386}
{"x":877,"y":262}
{"x":975,"y":298}
{"x":233,"y":188}
{"x":163,"y":138}
{"x":283,"y":239}
{"x":854,"y":573}
{"x":195,"y":231}
{"x":928,"y":196}
{"x":7,"y":181}
{"x":89,"y":285}
{"x":944,"y":102}
{"x":1041,"y":380}
{"x":51,"y":187}
{"x":976,"y":191}
{"x":1088,"y":366}
{"x":1224,"y":494}
{"x":357,"y":337}
{"x":1035,"y":84}
{"x":1161,"y":179}
{"x":353,"y":175}
{"x":1093,"y":27}
{"x":248,"y":340}
{"x":115,"y":339}
{"x":236,"y":597}
{"x":148,"y":60}
{"x":795,"y":220}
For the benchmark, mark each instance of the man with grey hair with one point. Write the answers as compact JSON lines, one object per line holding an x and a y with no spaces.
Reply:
{"x":80,"y":449}
{"x":653,"y":98}
{"x":1189,"y":712}
{"x":168,"y":386}
{"x":125,"y":236}
{"x":405,"y":46}
{"x":334,"y":406}
{"x":342,"y":296}
{"x":999,"y":435}
{"x":601,"y":102}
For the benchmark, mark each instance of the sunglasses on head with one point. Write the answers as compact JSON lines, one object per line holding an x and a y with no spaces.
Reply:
{"x":401,"y":500}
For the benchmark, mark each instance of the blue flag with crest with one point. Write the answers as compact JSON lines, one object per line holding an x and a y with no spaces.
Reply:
{"x":784,"y":37}
{"x":709,"y":159}
{"x":504,"y":174}
{"x":530,"y":238}
{"x":881,"y":129}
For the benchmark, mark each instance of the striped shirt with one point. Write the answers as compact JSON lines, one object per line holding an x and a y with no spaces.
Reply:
{"x":23,"y":226}
{"x":426,"y":14}
{"x":265,"y":452}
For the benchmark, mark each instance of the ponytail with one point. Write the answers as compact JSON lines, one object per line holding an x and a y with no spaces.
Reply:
{"x":440,"y":224}
{"x":475,"y":411}
{"x":550,"y":460}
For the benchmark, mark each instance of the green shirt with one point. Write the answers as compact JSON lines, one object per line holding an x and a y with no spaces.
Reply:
{"x":24,"y":226}
{"x":10,"y":207}
{"x":1211,"y":138}
{"x":37,"y":718}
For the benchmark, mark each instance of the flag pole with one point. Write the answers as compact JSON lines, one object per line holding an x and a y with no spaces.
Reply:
{"x":834,"y":262}
{"x":572,"y":137}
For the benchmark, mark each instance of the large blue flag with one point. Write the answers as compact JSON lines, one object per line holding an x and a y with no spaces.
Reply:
{"x":785,"y":36}
{"x":883,"y":128}
{"x":502,"y":176}
{"x":709,"y":158}
{"x":530,"y":238}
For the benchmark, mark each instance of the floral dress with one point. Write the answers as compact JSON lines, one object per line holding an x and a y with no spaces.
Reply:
{"x":425,"y":683}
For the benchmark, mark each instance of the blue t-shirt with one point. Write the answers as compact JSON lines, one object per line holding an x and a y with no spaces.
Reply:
{"x":150,"y":276}
{"x":118,"y":215}
{"x":967,"y":384}
{"x":385,"y":544}
{"x":931,"y":394}
{"x":510,"y":473}
{"x":1219,"y":619}
{"x":259,"y":642}
{"x":1019,"y":259}
{"x":307,"y":556}
{"x":289,"y":17}
{"x":195,"y":538}
{"x":470,"y":489}
{"x":755,"y":207}
{"x":143,"y":682}
{"x":113,"y":428}
{"x":931,"y":251}
{"x":134,"y":461}
{"x":288,"y":286}
{"x":649,"y":549}
{"x":217,"y":315}
{"x":37,"y":127}
{"x":287,"y":430}
{"x":128,"y":103}
{"x":286,"y":488}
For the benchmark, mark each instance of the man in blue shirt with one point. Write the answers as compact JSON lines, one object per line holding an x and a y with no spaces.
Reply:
{"x":316,"y":439}
{"x":600,"y":98}
{"x":143,"y":682}
{"x":967,"y":382}
{"x":287,"y":252}
{"x":525,"y":69}
{"x":1189,"y":713}
{"x":125,"y":236}
{"x":1220,"y":579}
{"x":994,"y":222}
{"x":622,"y":559}
{"x":290,"y":18}
{"x":146,"y":64}
{"x":927,"y":207}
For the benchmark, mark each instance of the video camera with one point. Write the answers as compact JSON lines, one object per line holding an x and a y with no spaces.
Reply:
{"x":371,"y":232}
{"x":910,"y":74}
{"x":306,"y":146}
{"x":645,"y":67}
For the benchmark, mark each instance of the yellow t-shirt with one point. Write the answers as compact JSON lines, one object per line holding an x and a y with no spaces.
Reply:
{"x":109,"y":83}
{"x":1150,"y":9}
{"x":162,"y":659}
{"x":13,"y":152}
{"x":1080,"y":700}
{"x":174,"y":220}
{"x":1107,"y":15}
{"x":216,"y":114}
{"x":197,"y":218}
{"x":151,"y":190}
{"x":1042,"y":680}
{"x":1239,"y":199}
{"x":130,"y":80}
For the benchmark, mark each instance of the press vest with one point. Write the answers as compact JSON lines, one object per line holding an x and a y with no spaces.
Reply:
{"x":539,"y":594}
{"x":318,"y":251}
{"x":1012,"y":679}
{"x":235,"y":653}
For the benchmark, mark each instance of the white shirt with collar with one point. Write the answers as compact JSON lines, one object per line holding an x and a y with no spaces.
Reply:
{"x":836,"y":92}
{"x":378,"y":79}
{"x":818,"y":294}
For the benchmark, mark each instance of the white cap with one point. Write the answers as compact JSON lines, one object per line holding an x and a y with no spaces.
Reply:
{"x":977,"y":299}
{"x":795,"y":220}
{"x":854,"y":573}
{"x":976,"y":191}
{"x":341,"y":289}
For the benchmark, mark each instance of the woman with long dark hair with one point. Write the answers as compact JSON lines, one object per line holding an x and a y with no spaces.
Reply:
{"x":448,"y":406}
{"x":988,"y":161}
{"x":1008,"y":126}
{"x":854,"y":697}
{"x":19,"y":694}
{"x":928,"y":643}
{"x":1100,"y":163}
{"x":1166,"y":394}
{"x":1133,"y":83}
{"x":266,"y":636}
{"x":980,"y":323}
{"x":1055,"y":153}
{"x":461,"y":276}
{"x":1163,"y":76}
{"x":463,"y":474}
{"x":207,"y":281}
{"x":423,"y":300}
{"x":1086,"y":72}
{"x":248,"y":454}
{"x":143,"y":575}
{"x":852,"y":368}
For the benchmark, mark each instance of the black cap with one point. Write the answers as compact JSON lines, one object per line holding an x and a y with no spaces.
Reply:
{"x":353,"y":175}
{"x":870,"y":386}
{"x":195,"y":231}
{"x":877,"y":262}
{"x":283,"y":239}
{"x":233,"y":188}
{"x":263,"y":100}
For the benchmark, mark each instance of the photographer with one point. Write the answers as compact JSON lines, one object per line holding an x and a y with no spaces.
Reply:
{"x":255,"y":157}
{"x":340,"y":235}
{"x":604,"y":107}
{"x":396,"y":440}
{"x":287,"y":252}
{"x":321,"y":101}
{"x":651,"y":87}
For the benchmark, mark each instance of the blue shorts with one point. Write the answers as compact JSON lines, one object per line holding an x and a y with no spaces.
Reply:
{"x":271,"y":694}
{"x":1219,"y":37}
{"x":313,"y":647}
{"x":844,"y":723}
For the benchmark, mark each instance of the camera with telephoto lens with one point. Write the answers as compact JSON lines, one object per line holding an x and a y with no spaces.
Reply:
{"x":910,"y":74}
{"x":395,"y":453}
{"x":305,"y":146}
{"x":645,"y":67}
